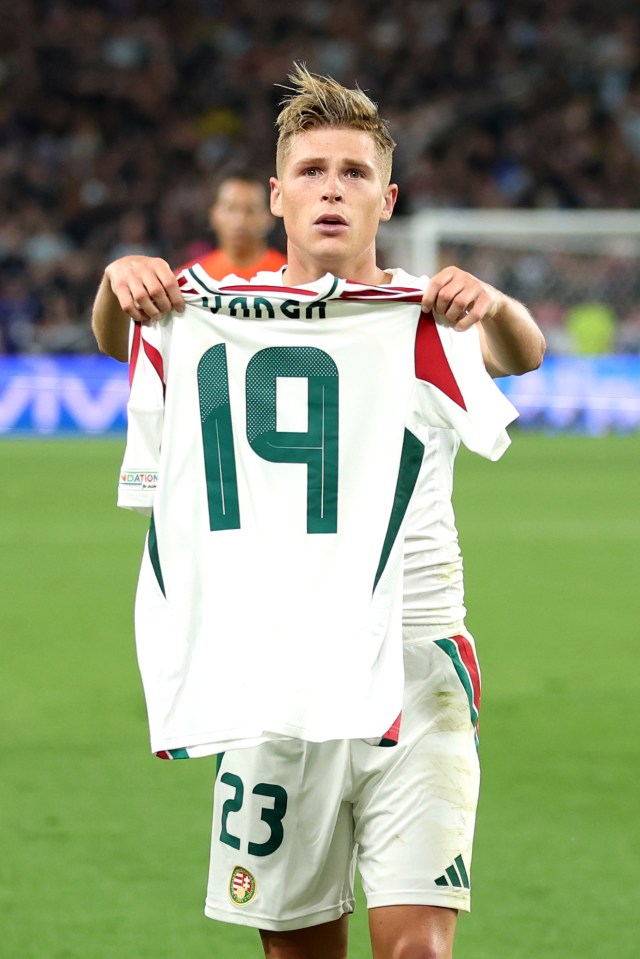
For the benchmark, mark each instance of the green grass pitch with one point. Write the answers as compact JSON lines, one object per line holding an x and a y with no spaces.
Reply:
{"x":104,"y":849}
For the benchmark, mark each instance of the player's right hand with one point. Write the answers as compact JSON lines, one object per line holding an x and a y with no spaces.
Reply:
{"x":145,"y":286}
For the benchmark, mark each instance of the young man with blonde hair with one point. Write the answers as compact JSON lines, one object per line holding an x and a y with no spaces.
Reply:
{"x":293,"y":819}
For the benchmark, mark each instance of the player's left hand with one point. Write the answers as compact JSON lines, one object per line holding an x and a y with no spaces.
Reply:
{"x":461,"y":298}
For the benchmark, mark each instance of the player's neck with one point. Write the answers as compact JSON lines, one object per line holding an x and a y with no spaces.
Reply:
{"x":302,"y":268}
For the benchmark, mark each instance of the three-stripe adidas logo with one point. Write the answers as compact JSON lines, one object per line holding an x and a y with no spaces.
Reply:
{"x":455,"y":875}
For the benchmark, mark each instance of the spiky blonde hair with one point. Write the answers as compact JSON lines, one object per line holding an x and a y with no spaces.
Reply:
{"x":316,"y":101}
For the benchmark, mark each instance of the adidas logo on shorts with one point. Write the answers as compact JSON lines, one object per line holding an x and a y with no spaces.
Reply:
{"x":455,"y":875}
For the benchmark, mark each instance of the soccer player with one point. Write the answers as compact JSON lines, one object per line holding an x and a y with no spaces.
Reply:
{"x":292,"y":818}
{"x":241,"y":220}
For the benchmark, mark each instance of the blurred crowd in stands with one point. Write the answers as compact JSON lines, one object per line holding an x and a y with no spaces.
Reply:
{"x":116,"y":116}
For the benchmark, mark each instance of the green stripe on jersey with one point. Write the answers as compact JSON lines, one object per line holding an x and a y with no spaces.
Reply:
{"x":154,"y":555}
{"x":410,"y":462}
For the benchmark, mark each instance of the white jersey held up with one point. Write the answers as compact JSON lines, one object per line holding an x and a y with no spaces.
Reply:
{"x":274,"y":436}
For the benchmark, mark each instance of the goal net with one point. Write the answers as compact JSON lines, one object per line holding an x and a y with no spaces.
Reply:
{"x":579,"y":274}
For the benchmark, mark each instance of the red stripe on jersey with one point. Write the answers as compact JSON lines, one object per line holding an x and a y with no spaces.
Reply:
{"x":468,"y":657}
{"x":135,"y":350}
{"x":155,"y":358}
{"x":432,"y":365}
{"x":187,"y":286}
{"x":162,"y":754}
{"x":253,"y":289}
{"x":407,"y":294}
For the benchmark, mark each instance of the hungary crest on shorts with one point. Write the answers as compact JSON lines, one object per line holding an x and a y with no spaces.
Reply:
{"x":242,"y":886}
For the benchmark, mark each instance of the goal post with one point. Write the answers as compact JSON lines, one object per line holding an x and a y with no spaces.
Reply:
{"x":579,"y":274}
{"x":425,"y":241}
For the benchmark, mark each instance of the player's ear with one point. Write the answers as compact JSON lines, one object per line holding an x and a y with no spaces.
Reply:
{"x":389,"y":201}
{"x":276,"y":196}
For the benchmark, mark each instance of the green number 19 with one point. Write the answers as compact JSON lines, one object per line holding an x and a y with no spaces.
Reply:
{"x":317,"y":447}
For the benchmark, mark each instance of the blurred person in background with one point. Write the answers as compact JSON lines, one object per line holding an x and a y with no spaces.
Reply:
{"x":241,"y":220}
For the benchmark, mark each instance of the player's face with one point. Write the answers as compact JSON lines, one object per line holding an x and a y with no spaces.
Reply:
{"x":240,"y":216}
{"x":332,"y":198}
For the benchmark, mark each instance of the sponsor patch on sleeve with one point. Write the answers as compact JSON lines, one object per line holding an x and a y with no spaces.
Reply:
{"x":139,"y":479}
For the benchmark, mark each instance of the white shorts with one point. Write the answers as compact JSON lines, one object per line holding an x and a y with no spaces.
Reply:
{"x":293,"y":819}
